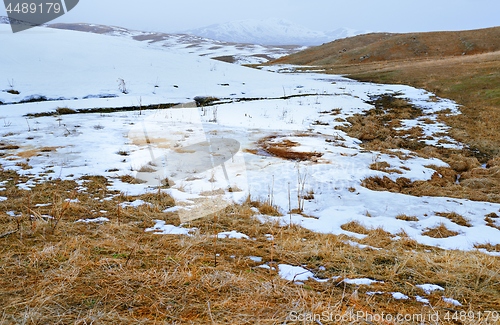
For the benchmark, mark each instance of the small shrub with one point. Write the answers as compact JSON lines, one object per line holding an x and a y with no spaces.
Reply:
{"x":123,"y":153}
{"x":13,"y":92}
{"x":122,"y":86}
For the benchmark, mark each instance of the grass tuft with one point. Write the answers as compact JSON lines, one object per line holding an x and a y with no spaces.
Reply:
{"x":440,"y":232}
{"x":455,"y":217}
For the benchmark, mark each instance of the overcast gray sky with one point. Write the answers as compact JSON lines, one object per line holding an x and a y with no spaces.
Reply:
{"x":322,"y":15}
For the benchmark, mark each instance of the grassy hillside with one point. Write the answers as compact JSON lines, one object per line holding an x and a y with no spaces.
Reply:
{"x":387,"y":47}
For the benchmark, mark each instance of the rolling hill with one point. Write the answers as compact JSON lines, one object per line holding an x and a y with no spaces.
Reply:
{"x":231,"y":52}
{"x":376,"y":47}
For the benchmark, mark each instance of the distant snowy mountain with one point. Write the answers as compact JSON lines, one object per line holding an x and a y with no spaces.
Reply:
{"x":270,"y":32}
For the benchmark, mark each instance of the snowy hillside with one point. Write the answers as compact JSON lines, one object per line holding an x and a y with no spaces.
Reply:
{"x":57,"y":123}
{"x":237,"y":53}
{"x":270,"y":32}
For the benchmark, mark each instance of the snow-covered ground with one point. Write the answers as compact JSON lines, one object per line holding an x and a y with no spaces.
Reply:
{"x":235,"y":52}
{"x":211,"y":156}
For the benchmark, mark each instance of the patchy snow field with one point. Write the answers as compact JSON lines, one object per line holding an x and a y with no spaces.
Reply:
{"x":210,"y":156}
{"x":238,"y":53}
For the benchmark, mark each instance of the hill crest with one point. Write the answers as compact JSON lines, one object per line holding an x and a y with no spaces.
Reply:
{"x":389,"y":46}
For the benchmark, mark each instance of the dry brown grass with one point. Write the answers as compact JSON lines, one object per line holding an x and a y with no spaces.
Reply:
{"x":115,"y":272}
{"x":131,"y":179}
{"x":265,"y":208}
{"x":491,"y":222}
{"x":404,"y":217}
{"x":59,"y":272}
{"x":455,"y":217}
{"x":489,"y":247}
{"x":375,"y":47}
{"x":440,"y":231}
{"x":465,"y":178}
{"x":283,"y":148}
{"x":472,"y":80}
{"x":384,"y":166}
{"x":376,"y":127}
{"x":478,"y":184}
{"x":355,"y":226}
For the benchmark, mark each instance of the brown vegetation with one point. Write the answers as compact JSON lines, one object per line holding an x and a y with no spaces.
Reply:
{"x":472,"y":80}
{"x":455,"y":217}
{"x":369,"y":48}
{"x":58,"y":271}
{"x":404,"y":217}
{"x":440,"y":232}
{"x":283,"y":148}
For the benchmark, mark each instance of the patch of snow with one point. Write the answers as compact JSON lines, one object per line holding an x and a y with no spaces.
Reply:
{"x":294,"y":273}
{"x":269,"y":237}
{"x":355,"y":244}
{"x":161,"y":228}
{"x":452,"y":301}
{"x":342,"y":167}
{"x":361,"y":281}
{"x":422,"y":300}
{"x":94,"y":220}
{"x":256,"y":259}
{"x":134,"y":204}
{"x":429,"y":288}
{"x":399,"y":296}
{"x":232,"y":234}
